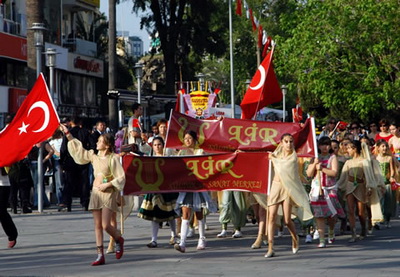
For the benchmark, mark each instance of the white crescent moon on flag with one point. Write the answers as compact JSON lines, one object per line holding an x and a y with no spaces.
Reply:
{"x":42,"y":105}
{"x":261,"y":69}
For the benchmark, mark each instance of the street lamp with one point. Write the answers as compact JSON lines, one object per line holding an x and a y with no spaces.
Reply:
{"x":284,"y":92}
{"x":38,"y":29}
{"x":51,"y":63}
{"x":139,"y":73}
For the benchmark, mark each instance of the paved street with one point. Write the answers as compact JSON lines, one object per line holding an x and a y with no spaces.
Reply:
{"x":62,"y":244}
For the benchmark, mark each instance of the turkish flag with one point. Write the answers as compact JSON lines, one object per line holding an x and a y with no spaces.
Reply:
{"x":35,"y":121}
{"x":263,"y":90}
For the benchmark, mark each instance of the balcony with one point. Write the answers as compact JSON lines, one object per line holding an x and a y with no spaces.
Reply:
{"x":80,"y":46}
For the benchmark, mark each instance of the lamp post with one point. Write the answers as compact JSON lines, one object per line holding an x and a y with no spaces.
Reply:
{"x":38,"y":29}
{"x":139,"y":73}
{"x":51,"y":63}
{"x":284,"y":92}
{"x":201,"y":78}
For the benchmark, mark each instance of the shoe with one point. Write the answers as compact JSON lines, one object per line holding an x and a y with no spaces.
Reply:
{"x":295,"y":249}
{"x":173,"y":240}
{"x":119,"y":248}
{"x":258,"y":242}
{"x":110,"y":250}
{"x":223,"y":234}
{"x":280,"y":234}
{"x":99,"y":261}
{"x":331,"y":240}
{"x":26,"y":210}
{"x":11,"y":243}
{"x":316,"y":235}
{"x":152,"y":244}
{"x":237,"y":234}
{"x":201,"y":244}
{"x":196,"y":227}
{"x":388,"y":226}
{"x":308,"y":239}
{"x":321,"y":245}
{"x":353,"y":239}
{"x":377,"y":226}
{"x":370,"y":231}
{"x":270,"y":254}
{"x":190,"y":233}
{"x":180,"y":248}
{"x":15,"y":211}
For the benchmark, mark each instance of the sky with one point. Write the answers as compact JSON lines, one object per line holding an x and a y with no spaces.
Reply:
{"x":127,"y":21}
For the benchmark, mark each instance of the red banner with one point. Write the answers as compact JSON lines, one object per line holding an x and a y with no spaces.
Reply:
{"x":228,"y":134}
{"x":233,"y":171}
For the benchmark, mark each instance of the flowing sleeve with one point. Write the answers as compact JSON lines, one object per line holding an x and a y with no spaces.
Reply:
{"x":373,"y":174}
{"x":78,"y":153}
{"x":118,"y":173}
{"x":341,"y":183}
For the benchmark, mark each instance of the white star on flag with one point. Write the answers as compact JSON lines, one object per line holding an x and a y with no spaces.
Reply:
{"x":22,"y":129}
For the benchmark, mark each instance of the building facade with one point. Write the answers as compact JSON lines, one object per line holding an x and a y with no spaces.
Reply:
{"x":78,"y":66}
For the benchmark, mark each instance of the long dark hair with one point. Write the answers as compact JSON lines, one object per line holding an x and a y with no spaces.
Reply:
{"x":109,"y":141}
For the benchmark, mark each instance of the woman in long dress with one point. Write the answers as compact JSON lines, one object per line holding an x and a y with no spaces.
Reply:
{"x":287,"y":192}
{"x":109,"y":181}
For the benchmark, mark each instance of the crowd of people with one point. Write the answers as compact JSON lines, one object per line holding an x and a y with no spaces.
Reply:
{"x":354,"y":176}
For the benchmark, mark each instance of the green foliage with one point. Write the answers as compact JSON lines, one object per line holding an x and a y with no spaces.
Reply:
{"x":343,"y":55}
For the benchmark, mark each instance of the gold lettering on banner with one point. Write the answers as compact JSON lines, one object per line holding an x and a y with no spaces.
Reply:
{"x":253,"y":133}
{"x":211,"y":167}
{"x":184,"y":126}
{"x":138,"y":177}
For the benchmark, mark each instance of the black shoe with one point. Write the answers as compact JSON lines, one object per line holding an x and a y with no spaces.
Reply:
{"x":26,"y":210}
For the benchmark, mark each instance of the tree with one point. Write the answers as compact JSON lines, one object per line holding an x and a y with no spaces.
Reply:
{"x":343,"y":56}
{"x":183,"y":28}
{"x":34,"y":12}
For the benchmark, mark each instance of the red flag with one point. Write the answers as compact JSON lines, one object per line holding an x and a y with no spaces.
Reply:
{"x":266,"y":46}
{"x":260,"y":36}
{"x":35,"y":121}
{"x":253,"y":23}
{"x":239,"y":7}
{"x":341,"y":125}
{"x":263,"y":90}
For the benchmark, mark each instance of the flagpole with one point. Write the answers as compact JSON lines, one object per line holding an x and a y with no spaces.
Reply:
{"x":39,"y":28}
{"x":231,"y":59}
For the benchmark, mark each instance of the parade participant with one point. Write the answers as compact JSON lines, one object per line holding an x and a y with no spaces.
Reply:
{"x":159,"y":207}
{"x":373,"y":130}
{"x":192,"y":201}
{"x":232,"y":208}
{"x":394,"y":142}
{"x":109,"y":181}
{"x":286,"y":191}
{"x":384,"y":133}
{"x":330,"y":130}
{"x":324,"y":200}
{"x":359,"y":183}
{"x":386,"y":164}
{"x":5,"y":218}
